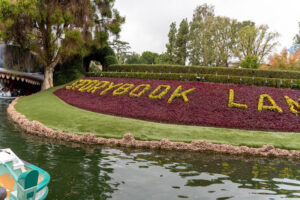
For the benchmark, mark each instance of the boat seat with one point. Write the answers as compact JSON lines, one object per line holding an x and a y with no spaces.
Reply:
{"x":27,"y":183}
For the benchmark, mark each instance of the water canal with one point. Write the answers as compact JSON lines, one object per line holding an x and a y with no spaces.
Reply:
{"x":82,"y":172}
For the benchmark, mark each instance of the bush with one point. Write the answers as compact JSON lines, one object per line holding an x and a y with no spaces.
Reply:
{"x":250,"y":61}
{"x":110,"y":60}
{"x":205,"y":70}
{"x":243,"y":80}
{"x":68,"y":71}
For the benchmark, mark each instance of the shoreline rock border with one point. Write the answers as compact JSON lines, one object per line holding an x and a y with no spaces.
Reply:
{"x":128,"y":140}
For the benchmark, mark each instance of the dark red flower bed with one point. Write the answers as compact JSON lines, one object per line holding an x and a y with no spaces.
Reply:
{"x":207,"y":105}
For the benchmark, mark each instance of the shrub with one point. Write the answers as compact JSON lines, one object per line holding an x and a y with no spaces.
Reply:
{"x":110,"y":60}
{"x":68,"y":71}
{"x":244,"y":80}
{"x":206,"y":70}
{"x":250,"y":61}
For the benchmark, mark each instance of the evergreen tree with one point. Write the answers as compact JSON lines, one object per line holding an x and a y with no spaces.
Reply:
{"x":122,"y":50}
{"x":171,"y":46}
{"x":182,"y":38}
{"x":297,"y":37}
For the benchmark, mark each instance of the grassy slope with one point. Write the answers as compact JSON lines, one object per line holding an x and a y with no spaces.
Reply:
{"x":54,"y":113}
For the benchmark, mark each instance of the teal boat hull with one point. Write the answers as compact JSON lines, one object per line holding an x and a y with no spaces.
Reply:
{"x":15,"y":176}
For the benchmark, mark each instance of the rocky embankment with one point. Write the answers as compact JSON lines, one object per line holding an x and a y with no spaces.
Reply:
{"x":128,"y":140}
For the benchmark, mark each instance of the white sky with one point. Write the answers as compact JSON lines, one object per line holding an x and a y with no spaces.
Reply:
{"x":147,"y":21}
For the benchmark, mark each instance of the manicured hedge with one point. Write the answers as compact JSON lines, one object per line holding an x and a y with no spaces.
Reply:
{"x":244,"y":80}
{"x":205,"y":70}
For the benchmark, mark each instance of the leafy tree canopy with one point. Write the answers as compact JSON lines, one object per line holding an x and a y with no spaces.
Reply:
{"x":122,"y":50}
{"x":149,"y":57}
{"x":255,"y":41}
{"x":56,"y":29}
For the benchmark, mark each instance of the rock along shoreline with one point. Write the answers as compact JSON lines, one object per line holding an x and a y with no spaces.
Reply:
{"x":128,"y":140}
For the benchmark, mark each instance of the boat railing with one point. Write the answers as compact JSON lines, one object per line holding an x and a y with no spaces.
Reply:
{"x":24,"y":193}
{"x":11,"y":172}
{"x":42,"y":186}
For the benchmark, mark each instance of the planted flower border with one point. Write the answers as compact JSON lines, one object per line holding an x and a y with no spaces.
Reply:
{"x":191,"y":103}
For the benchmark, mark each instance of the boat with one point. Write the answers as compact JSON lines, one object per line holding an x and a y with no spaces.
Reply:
{"x":8,"y":98}
{"x":22,"y":181}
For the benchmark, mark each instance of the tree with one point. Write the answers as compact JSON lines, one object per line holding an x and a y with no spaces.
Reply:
{"x":133,"y":58}
{"x":285,"y":60}
{"x":148,"y":57}
{"x":182,"y":42}
{"x":297,"y":37}
{"x":201,"y":36}
{"x":122,"y":50}
{"x":255,"y":41}
{"x":171,"y":57}
{"x":213,"y":39}
{"x":162,"y":59}
{"x":56,"y":29}
{"x":224,"y":40}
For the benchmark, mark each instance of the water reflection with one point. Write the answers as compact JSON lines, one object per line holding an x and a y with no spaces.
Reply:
{"x":94,"y":172}
{"x":208,"y":176}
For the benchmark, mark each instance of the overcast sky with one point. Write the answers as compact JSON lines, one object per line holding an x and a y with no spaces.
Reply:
{"x":147,"y":21}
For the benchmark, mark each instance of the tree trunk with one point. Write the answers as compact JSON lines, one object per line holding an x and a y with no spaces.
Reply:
{"x":48,"y":73}
{"x":48,"y":77}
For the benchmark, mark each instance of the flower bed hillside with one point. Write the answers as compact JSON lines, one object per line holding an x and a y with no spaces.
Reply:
{"x":192,"y":103}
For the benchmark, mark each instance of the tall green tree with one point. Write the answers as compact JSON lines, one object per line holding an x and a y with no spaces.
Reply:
{"x":182,"y":39}
{"x":56,"y":29}
{"x":201,"y":36}
{"x":162,"y":59}
{"x":171,"y":45}
{"x":149,"y":57}
{"x":213,"y":39}
{"x":224,"y":40}
{"x":122,"y":50}
{"x":255,"y":41}
{"x":133,"y":58}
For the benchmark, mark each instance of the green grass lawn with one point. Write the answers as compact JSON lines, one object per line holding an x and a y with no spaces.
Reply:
{"x":56,"y":114}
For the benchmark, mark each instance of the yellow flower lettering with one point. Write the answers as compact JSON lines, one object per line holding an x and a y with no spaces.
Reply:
{"x":98,"y":86}
{"x":123,"y":89}
{"x":87,"y":86}
{"x":153,"y":94}
{"x":69,"y":87}
{"x":292,"y":104}
{"x":145,"y":87}
{"x":177,"y":93}
{"x":261,"y":106}
{"x":110,"y":87}
{"x":232,"y":104}
{"x":77,"y":84}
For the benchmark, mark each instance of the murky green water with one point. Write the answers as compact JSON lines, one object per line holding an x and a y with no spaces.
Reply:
{"x":82,"y":172}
